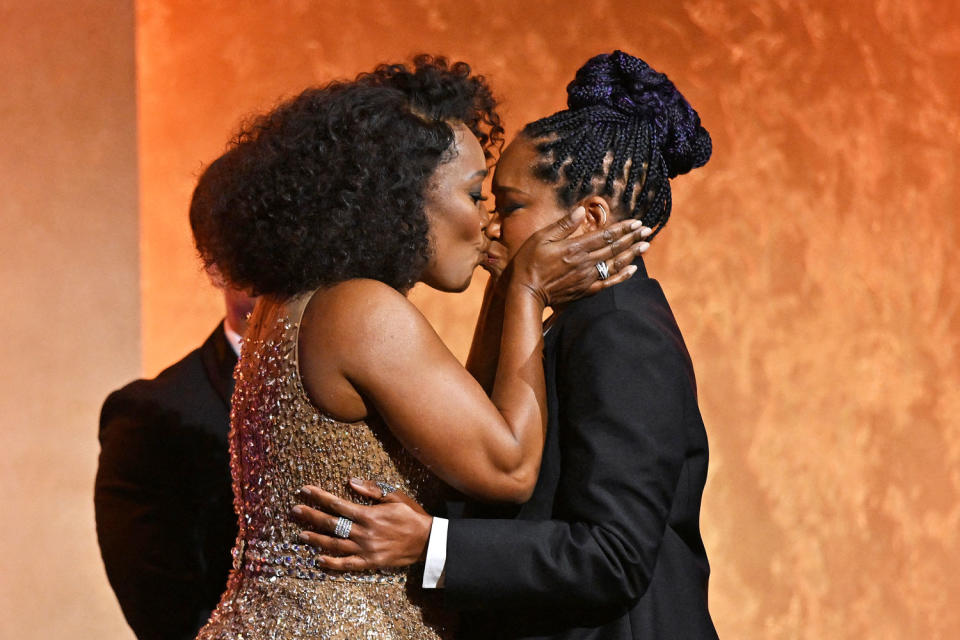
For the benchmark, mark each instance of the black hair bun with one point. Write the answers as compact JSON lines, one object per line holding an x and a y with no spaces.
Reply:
{"x":630,"y":86}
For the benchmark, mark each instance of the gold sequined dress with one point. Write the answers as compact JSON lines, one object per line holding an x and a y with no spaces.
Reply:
{"x":279,"y":442}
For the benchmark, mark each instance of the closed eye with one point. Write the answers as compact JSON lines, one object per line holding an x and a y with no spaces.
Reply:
{"x":507,"y":210}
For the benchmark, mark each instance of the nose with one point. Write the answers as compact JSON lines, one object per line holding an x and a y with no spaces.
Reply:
{"x":492,"y":230}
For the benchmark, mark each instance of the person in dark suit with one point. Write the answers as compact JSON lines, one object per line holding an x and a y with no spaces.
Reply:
{"x":163,"y":496}
{"x":609,"y":545}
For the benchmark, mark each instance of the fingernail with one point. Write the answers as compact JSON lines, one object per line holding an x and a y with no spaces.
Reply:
{"x":303,"y":536}
{"x":307,"y":491}
{"x":643,"y":246}
{"x":646,"y":232}
{"x":636,"y":224}
{"x":298,"y":510}
{"x":632,"y":269}
{"x":578,"y":214}
{"x":356,"y":482}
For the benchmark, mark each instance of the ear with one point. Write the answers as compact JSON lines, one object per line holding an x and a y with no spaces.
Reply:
{"x":598,"y":212}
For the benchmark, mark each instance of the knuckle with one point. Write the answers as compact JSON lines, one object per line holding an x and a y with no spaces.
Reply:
{"x":306,"y":515}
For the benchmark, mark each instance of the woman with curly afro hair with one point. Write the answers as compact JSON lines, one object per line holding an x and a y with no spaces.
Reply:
{"x":341,"y":199}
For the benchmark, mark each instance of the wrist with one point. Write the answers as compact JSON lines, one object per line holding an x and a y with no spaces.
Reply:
{"x":521,"y":274}
{"x":526,"y":289}
{"x":426,"y":527}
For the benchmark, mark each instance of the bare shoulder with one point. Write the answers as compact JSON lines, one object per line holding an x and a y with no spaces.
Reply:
{"x":349,"y":332}
{"x":363,"y":316}
{"x":360,"y":304}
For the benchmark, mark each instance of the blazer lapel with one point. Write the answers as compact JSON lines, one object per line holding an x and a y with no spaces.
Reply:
{"x":219,"y":361}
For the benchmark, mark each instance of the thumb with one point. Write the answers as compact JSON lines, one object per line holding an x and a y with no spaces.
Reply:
{"x":380,"y":491}
{"x":366,"y":488}
{"x":566,"y":225}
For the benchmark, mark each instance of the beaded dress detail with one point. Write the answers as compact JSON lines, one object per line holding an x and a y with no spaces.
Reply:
{"x":279,"y":442}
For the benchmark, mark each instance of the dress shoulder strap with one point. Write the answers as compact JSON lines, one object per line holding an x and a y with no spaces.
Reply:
{"x":295,"y":310}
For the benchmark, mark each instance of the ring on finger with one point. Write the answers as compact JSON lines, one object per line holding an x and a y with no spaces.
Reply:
{"x":342,"y":530}
{"x":603,"y":270}
{"x":385,"y":488}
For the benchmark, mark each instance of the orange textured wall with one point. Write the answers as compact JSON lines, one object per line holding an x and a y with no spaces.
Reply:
{"x":812,"y":264}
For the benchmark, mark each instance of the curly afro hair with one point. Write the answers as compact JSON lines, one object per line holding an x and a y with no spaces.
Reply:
{"x":211,"y":197}
{"x":329,"y":185}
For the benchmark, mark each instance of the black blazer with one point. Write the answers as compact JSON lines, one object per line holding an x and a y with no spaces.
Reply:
{"x":609,"y":545}
{"x":163,"y":498}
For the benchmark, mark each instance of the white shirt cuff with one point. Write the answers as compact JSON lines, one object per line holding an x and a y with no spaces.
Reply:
{"x":434,"y":570}
{"x":234,"y":338}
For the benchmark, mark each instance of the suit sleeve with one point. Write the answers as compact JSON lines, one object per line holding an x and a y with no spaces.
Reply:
{"x":152,"y":525}
{"x":623,"y":387}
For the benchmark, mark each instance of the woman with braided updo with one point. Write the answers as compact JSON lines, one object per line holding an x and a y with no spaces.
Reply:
{"x":609,"y":545}
{"x":338,"y":202}
{"x":626,"y":133}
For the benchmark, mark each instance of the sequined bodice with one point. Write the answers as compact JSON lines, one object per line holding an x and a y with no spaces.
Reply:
{"x":279,"y":442}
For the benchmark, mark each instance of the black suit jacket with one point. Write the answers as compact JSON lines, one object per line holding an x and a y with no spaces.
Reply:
{"x":163,"y":498}
{"x":609,"y":545}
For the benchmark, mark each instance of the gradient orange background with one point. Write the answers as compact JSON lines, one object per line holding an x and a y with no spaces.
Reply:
{"x":811,"y":264}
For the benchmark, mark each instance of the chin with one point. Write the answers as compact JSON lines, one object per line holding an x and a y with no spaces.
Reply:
{"x":460,"y":288}
{"x":450,"y":282}
{"x":464,"y":286}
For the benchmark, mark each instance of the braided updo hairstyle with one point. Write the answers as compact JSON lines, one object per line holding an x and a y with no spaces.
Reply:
{"x":330,"y":185}
{"x":625,"y":133}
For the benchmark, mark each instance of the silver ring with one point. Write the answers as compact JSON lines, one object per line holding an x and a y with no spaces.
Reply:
{"x":602,"y":270}
{"x":343,"y":528}
{"x":386,"y":488}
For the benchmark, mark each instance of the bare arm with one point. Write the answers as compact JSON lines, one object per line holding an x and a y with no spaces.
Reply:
{"x":389,"y":355}
{"x":485,"y":348}
{"x":626,"y":391}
